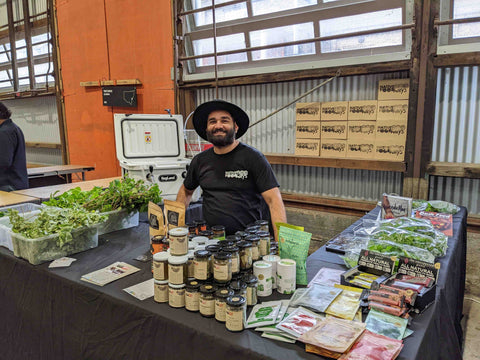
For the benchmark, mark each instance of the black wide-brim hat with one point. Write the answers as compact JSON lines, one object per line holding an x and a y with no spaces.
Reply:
{"x":200,"y":117}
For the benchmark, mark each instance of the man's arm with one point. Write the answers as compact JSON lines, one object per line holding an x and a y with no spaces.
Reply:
{"x":273,"y":198}
{"x":184,"y":195}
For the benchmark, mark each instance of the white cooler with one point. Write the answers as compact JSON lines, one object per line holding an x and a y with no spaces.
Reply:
{"x":152,"y":148}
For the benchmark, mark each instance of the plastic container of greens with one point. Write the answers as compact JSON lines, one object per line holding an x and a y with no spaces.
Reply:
{"x":26,"y":210}
{"x":47,"y":248}
{"x":118,"y":220}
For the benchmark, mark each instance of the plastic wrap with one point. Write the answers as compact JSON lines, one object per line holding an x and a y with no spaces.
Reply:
{"x":317,"y":297}
{"x":435,"y":206}
{"x":397,"y":249}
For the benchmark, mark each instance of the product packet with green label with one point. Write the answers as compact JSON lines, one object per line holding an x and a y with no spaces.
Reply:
{"x":264,"y":314}
{"x":293,"y":244}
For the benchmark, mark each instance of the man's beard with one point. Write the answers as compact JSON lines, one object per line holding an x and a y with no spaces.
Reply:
{"x":220,"y":138}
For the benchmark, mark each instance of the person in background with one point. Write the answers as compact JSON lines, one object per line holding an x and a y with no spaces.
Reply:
{"x":239,"y":186}
{"x":13,"y":162}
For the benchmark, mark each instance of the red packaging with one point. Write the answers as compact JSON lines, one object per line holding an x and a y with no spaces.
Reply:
{"x":371,"y":346}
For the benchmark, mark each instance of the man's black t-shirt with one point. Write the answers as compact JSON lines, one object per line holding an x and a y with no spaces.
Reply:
{"x":232,"y":184}
{"x":13,"y":163}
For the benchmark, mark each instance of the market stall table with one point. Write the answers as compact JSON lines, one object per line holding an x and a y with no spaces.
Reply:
{"x":43,"y":193}
{"x":49,"y":313}
{"x":12,"y":198}
{"x":56,"y":174}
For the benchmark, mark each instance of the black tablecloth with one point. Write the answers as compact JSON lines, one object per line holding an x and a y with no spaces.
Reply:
{"x":51,"y":314}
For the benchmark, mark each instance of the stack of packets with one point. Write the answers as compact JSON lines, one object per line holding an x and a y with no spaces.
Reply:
{"x":326,"y":316}
{"x":362,"y":279}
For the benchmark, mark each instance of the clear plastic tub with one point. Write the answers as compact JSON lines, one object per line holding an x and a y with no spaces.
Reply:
{"x":40,"y":250}
{"x":118,"y":220}
{"x":26,"y":209}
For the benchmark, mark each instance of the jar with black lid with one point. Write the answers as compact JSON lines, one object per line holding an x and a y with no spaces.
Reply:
{"x":201,"y":225}
{"x":221,"y":296}
{"x":207,"y":233}
{"x":192,"y":295}
{"x":207,"y":300}
{"x":273,"y":248}
{"x":201,"y":265}
{"x":233,"y":238}
{"x":252,"y":230}
{"x":263,"y":225}
{"x":238,"y":287}
{"x":251,"y":281}
{"x":191,"y":265}
{"x":218,"y":232}
{"x":226,"y":243}
{"x":242,"y":234}
{"x":236,"y":313}
{"x":222,"y":266}
{"x":254,"y":239}
{"x":246,"y":256}
{"x":192,"y":228}
{"x":157,"y":244}
{"x":234,"y":250}
{"x":264,"y":243}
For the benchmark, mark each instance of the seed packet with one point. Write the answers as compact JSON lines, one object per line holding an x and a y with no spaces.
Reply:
{"x":327,"y":276}
{"x":280,"y":337}
{"x":317,"y":297}
{"x":299,"y":322}
{"x":155,"y":220}
{"x":263,"y":314}
{"x":373,"y":346}
{"x":345,"y":306}
{"x":174,"y":213}
{"x":386,"y":324}
{"x":293,"y":244}
{"x":333,"y":335}
{"x":281,"y":315}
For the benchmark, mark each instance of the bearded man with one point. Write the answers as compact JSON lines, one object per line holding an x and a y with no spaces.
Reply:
{"x":238,"y":184}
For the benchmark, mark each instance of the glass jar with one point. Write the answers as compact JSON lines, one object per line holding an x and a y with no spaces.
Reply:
{"x":201,"y":265}
{"x":236,"y":313}
{"x":246,"y":258}
{"x":221,"y":303}
{"x":206,"y":233}
{"x":207,"y":300}
{"x":241,"y":234}
{"x":234,"y":251}
{"x":200,"y":240}
{"x":254,"y":239}
{"x":191,"y":265}
{"x":233,"y":238}
{"x":264,"y":243}
{"x":177,"y":269}
{"x":201,"y":225}
{"x":192,"y":295}
{"x":252,"y":230}
{"x":226,"y":243}
{"x":222,"y":266}
{"x":263,"y":225}
{"x":213,"y":248}
{"x":160,"y":265}
{"x":251,"y":281}
{"x":239,"y":288}
{"x":160,"y":291}
{"x":157,"y":244}
{"x":273,"y":248}
{"x":192,"y":228}
{"x":218,"y":232}
{"x":176,"y":295}
{"x":178,"y":241}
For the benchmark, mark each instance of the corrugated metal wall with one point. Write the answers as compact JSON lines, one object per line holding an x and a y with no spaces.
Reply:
{"x":38,"y":119}
{"x":35,"y":7}
{"x":277,"y":134}
{"x":457,"y":133}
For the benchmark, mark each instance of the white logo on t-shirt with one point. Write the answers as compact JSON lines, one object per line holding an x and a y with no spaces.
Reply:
{"x":237,"y":174}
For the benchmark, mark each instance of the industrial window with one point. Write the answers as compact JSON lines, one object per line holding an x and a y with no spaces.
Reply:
{"x":260,"y":36}
{"x":459,"y":37}
{"x":31,"y":69}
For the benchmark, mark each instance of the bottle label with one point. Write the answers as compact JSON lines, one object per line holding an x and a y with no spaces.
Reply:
{"x":234,"y":320}
{"x":207,"y":307}
{"x":175,"y":274}
{"x":220,"y":272}
{"x":220,"y":307}
{"x":192,"y":300}
{"x":201,"y":270}
{"x":176,"y":297}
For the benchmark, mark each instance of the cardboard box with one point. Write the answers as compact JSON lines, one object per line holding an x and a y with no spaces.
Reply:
{"x":307,"y":130}
{"x":334,"y":130}
{"x":392,"y":110}
{"x":331,"y":148}
{"x":395,"y":130}
{"x":334,"y":111}
{"x":397,"y":89}
{"x":308,"y":111}
{"x":362,"y":130}
{"x":388,"y":150}
{"x":362,"y":110}
{"x":309,"y":147}
{"x":360,"y":149}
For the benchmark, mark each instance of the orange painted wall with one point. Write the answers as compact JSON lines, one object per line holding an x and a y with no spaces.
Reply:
{"x":139,"y":46}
